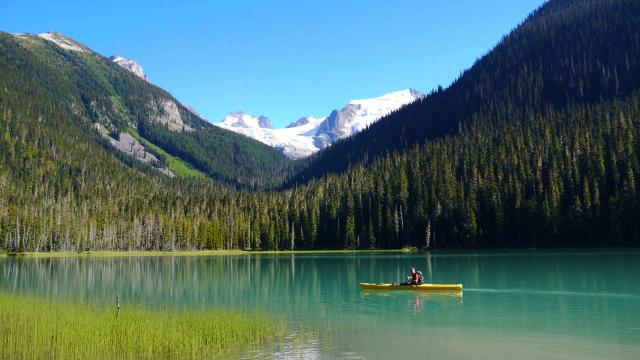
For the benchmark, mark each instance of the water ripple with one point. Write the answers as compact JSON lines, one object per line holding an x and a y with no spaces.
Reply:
{"x":555,"y":292}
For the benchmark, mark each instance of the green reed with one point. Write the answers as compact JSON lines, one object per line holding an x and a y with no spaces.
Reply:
{"x":37,"y":328}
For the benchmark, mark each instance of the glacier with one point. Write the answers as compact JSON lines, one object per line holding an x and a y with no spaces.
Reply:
{"x":310,"y":134}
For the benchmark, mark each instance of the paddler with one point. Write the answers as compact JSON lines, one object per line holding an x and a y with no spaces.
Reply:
{"x":416,"y":277}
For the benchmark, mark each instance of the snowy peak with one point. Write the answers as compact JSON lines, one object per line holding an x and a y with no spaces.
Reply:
{"x":392,"y":100}
{"x":305,"y":121}
{"x":130,"y":65}
{"x":63,"y":41}
{"x":357,"y":115}
{"x":264,"y":122}
{"x":293,"y":141}
{"x":240,"y":119}
{"x":68,"y":43}
{"x":309,"y":134}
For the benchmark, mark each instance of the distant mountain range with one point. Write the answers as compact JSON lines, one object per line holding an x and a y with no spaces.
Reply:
{"x":309,"y":134}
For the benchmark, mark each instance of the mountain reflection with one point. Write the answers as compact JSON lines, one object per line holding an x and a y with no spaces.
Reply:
{"x":507,"y":297}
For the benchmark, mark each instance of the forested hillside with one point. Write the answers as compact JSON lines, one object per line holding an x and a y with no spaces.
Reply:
{"x":94,"y":90}
{"x":566,"y":53}
{"x":525,"y":149}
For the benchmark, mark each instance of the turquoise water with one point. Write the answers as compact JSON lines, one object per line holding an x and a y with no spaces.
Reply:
{"x":524,"y":305}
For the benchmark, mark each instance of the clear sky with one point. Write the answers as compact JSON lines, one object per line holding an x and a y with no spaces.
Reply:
{"x":280,"y":58}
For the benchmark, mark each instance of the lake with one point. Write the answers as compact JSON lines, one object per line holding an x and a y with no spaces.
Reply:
{"x":523,"y":304}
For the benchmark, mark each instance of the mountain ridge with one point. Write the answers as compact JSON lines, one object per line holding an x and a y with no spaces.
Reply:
{"x":130,"y":65}
{"x":101,"y":92}
{"x":499,"y":87}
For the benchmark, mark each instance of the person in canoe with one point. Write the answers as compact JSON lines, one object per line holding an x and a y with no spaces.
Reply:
{"x":415,"y":278}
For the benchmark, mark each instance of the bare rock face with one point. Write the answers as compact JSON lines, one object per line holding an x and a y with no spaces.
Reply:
{"x":336,"y":126}
{"x":130,"y":65}
{"x":300,"y":122}
{"x":63,"y":41}
{"x":166,"y":112}
{"x":129,"y":145}
{"x":264,"y":122}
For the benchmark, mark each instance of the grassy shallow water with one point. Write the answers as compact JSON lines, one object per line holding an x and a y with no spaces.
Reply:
{"x":37,"y":328}
{"x":527,"y":304}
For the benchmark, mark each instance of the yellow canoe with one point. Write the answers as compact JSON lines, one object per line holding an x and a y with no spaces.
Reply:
{"x":423,"y":287}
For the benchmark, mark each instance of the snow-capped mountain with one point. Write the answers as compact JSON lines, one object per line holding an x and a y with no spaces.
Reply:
{"x":309,"y":134}
{"x":293,"y":141}
{"x":240,"y":119}
{"x":302,"y":121}
{"x":130,"y":65}
{"x":359,"y":114}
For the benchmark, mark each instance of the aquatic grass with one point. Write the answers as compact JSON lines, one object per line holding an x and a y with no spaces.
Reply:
{"x":37,"y":328}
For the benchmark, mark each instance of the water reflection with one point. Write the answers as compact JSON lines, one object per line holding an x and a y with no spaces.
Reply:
{"x":226,"y":281}
{"x":417,"y":301}
{"x":296,"y":345}
{"x":568,"y":304}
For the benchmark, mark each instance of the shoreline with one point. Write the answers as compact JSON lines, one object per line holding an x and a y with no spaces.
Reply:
{"x":63,"y":254}
{"x":449,"y":252}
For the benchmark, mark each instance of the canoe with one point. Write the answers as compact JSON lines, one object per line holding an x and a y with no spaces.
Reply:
{"x":423,"y":287}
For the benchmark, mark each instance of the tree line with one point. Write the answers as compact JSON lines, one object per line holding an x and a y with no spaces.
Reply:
{"x":563,"y":179}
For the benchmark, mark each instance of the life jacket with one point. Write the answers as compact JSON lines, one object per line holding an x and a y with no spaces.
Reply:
{"x":415,"y":278}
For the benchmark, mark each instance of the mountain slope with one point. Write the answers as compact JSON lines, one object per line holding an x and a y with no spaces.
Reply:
{"x":566,"y":53}
{"x":309,"y":134}
{"x":114,"y":101}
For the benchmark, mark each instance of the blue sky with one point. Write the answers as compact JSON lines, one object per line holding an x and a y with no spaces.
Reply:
{"x":282,"y":59}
